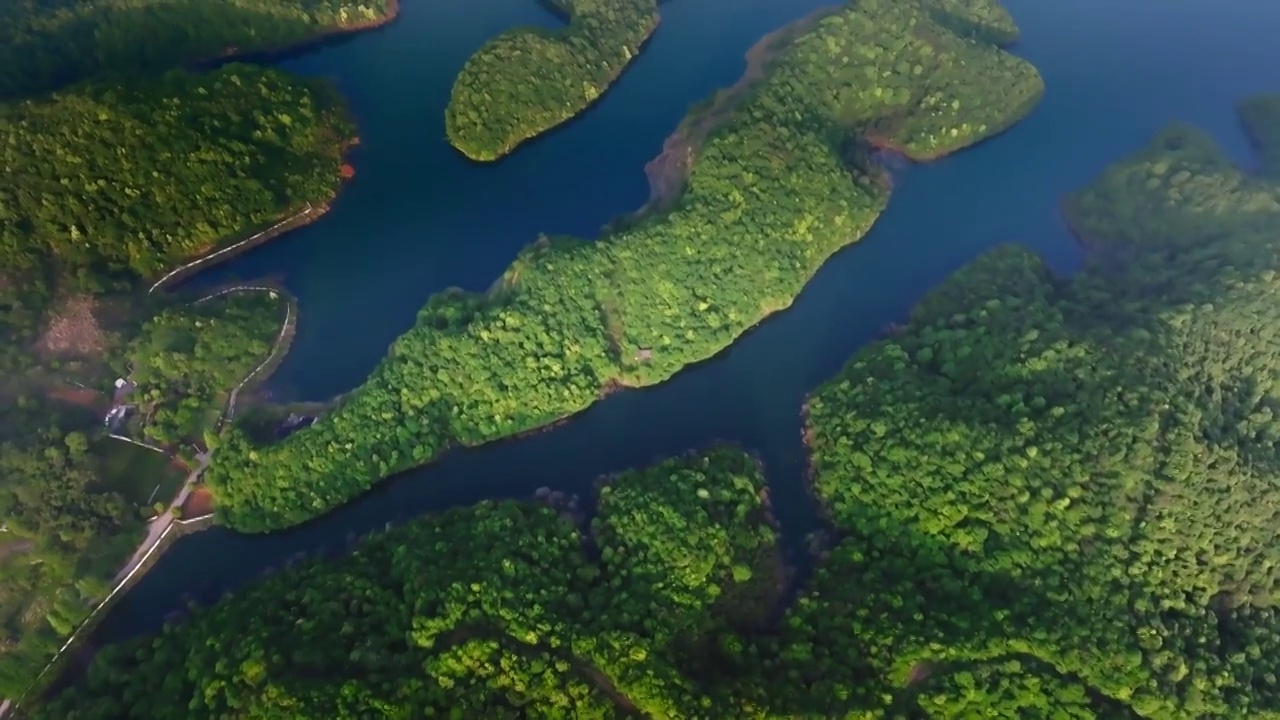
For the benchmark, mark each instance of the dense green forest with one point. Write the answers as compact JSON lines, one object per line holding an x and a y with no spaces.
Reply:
{"x":1093,"y":462}
{"x":66,"y":529}
{"x":783,"y":183}
{"x":47,"y":43}
{"x":186,"y":359}
{"x":487,"y":611}
{"x":1050,"y":499}
{"x":155,"y":171}
{"x":528,"y":80}
{"x":107,"y":183}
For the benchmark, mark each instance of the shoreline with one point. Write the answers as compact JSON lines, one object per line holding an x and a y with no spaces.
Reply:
{"x":312,"y":211}
{"x":810,"y":469}
{"x":269,"y":55}
{"x":1091,"y":248}
{"x":287,"y":221}
{"x":882,"y":143}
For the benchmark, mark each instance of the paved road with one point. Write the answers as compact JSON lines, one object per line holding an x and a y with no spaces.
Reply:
{"x":164,"y":520}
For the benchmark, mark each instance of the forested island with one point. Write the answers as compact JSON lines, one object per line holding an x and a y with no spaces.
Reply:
{"x":47,"y":43}
{"x":528,"y":80}
{"x":1049,"y":498}
{"x":129,"y":171}
{"x":784,"y":180}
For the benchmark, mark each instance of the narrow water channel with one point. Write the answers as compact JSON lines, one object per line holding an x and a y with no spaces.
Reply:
{"x":419,"y":218}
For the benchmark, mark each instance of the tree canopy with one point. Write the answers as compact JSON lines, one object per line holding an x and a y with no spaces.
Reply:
{"x":1051,"y":498}
{"x":109,"y":181}
{"x":496,"y":611}
{"x":782,"y":182}
{"x":155,"y":171}
{"x":187,"y":359}
{"x":1091,"y":463}
{"x":66,"y":528}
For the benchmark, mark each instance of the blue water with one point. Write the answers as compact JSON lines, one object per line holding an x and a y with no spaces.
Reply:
{"x":419,"y":218}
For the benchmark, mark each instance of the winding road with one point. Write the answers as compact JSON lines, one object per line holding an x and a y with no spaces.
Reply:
{"x":212,"y":257}
{"x":163,"y":523}
{"x":286,"y":330}
{"x":159,"y":526}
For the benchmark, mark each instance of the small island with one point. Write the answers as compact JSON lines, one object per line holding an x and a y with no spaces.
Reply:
{"x":1049,"y":498}
{"x":526,"y":81}
{"x":783,"y":178}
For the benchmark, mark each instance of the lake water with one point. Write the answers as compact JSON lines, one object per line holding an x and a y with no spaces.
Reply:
{"x":419,"y":218}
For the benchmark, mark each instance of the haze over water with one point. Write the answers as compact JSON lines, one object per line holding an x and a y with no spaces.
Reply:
{"x":419,"y":218}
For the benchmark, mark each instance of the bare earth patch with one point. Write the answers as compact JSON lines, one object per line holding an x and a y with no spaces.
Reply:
{"x":83,"y":397}
{"x":15,"y":547}
{"x":919,"y":673}
{"x":73,"y":330}
{"x":199,"y":503}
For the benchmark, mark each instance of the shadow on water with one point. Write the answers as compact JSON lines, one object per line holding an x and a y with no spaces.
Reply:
{"x":452,"y":224}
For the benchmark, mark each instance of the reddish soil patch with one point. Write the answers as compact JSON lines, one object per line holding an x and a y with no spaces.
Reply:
{"x":15,"y":547}
{"x":199,"y":503}
{"x":73,"y":330}
{"x":919,"y":672}
{"x":886,"y":144}
{"x":84,"y":397}
{"x":393,"y":11}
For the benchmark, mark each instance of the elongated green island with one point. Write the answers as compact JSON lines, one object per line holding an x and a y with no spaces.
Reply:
{"x":782,"y":181}
{"x":528,"y":80}
{"x":1052,"y":498}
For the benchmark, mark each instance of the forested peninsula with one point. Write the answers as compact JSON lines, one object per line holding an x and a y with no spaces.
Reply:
{"x":47,"y":43}
{"x":528,"y":80}
{"x":110,"y":181}
{"x":1049,"y":498}
{"x":785,"y":180}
